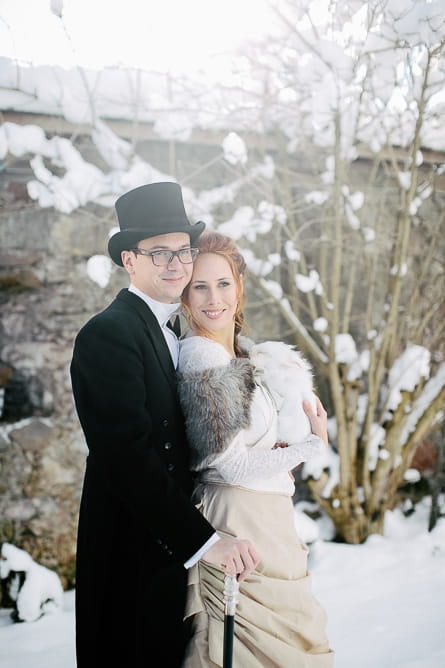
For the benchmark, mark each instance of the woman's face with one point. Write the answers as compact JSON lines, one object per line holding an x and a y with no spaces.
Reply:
{"x":212,"y":296}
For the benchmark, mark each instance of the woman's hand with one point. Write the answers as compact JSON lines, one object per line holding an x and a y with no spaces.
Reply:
{"x":317,"y":418}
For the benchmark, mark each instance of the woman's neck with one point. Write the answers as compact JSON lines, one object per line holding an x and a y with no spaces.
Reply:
{"x":228,"y":345}
{"x":226,"y":340}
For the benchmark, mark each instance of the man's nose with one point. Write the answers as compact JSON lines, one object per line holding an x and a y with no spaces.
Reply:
{"x":174,"y":263}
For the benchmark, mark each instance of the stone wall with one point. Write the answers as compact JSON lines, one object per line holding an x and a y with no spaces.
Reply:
{"x":45,"y":297}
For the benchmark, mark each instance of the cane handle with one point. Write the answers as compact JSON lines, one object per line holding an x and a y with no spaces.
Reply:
{"x":231,"y":589}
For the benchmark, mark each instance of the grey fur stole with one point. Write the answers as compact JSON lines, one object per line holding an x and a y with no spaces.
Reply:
{"x":216,"y":404}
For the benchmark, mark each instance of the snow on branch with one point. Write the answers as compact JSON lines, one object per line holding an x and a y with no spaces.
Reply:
{"x":431,"y":390}
{"x":82,"y":181}
{"x":327,"y":461}
{"x":346,"y":353}
{"x":235,"y":151}
{"x":248,"y":222}
{"x":406,"y":373}
{"x":309,"y":283}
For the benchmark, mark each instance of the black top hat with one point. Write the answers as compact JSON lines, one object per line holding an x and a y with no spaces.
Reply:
{"x":156,"y":208}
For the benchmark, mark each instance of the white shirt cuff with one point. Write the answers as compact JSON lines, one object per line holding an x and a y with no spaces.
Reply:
{"x":197,"y":556}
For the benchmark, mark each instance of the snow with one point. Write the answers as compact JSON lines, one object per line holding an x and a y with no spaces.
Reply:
{"x":407,"y":372}
{"x":99,"y":269}
{"x":376,"y":438}
{"x":309,"y":283}
{"x":345,"y":349}
{"x":397,"y":270}
{"x":41,"y":591}
{"x":355,"y":199}
{"x":368,"y":234}
{"x":320,"y":324}
{"x":412,"y":475}
{"x":272,"y":212}
{"x":291,"y":252}
{"x":353,"y":220}
{"x":273,"y":288}
{"x":82,"y":182}
{"x":316,"y":197}
{"x":327,"y":461}
{"x":429,"y":393}
{"x":256,"y":266}
{"x":405,"y":180}
{"x":234,"y":149}
{"x":384,"y":600}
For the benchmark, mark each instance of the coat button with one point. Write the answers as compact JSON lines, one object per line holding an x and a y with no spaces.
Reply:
{"x":170,"y":467}
{"x":167,"y":446}
{"x":165,"y":423}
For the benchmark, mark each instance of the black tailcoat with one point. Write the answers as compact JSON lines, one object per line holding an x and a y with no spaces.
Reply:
{"x":137,"y":525}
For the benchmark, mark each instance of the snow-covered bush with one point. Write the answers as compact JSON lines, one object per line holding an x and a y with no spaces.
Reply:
{"x":35,"y":589}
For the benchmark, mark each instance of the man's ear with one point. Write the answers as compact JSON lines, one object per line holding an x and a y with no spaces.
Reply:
{"x":127,"y":261}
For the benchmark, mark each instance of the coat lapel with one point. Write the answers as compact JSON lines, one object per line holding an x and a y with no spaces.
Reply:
{"x":154,"y":333}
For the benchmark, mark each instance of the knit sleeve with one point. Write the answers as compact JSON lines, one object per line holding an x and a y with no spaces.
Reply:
{"x":239,"y":464}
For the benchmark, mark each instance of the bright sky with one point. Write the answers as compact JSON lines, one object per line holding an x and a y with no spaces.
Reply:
{"x":169,"y":35}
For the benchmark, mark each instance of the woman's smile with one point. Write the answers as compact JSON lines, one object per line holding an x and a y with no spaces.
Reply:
{"x":213,"y":314}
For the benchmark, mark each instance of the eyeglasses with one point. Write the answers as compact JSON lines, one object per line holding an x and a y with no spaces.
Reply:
{"x":162,"y":258}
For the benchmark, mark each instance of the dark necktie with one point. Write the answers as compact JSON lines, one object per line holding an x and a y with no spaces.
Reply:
{"x":175,"y":326}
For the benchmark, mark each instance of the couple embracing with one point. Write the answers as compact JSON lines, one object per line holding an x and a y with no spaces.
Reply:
{"x":184,"y":482}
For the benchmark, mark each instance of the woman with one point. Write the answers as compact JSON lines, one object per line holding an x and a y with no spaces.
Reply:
{"x":245,"y":485}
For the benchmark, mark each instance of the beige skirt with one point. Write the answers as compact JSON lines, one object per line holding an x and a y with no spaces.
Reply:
{"x":278,"y":622}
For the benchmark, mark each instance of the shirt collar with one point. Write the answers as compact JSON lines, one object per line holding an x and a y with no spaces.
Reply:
{"x":163,"y":312}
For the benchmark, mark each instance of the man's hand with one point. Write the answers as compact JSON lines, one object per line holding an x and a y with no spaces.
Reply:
{"x":280,"y":444}
{"x":234,"y":557}
{"x":318,"y":419}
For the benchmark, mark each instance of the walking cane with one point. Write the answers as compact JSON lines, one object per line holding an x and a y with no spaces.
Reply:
{"x":231,"y":588}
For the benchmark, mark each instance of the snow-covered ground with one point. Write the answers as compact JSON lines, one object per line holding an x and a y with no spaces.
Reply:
{"x":385,"y":601}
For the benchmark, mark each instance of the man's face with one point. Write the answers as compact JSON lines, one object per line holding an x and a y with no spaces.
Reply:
{"x":162,"y":283}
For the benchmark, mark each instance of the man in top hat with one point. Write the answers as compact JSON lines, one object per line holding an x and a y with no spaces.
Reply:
{"x":138,"y":530}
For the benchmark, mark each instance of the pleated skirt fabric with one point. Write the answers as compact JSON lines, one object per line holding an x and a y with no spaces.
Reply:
{"x":278,"y":622}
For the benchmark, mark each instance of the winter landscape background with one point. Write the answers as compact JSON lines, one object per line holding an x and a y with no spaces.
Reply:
{"x":384,"y":599}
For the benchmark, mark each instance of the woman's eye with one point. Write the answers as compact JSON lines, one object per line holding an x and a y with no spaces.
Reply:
{"x":224,"y":284}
